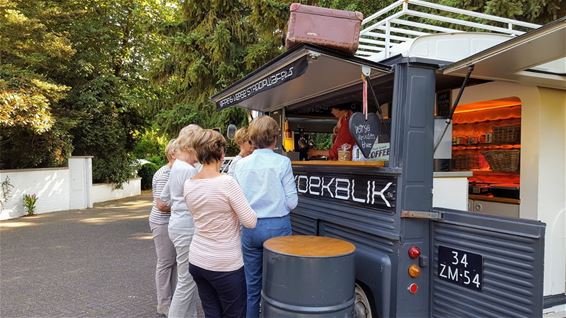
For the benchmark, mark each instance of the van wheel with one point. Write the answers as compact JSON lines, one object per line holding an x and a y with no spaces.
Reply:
{"x":362,"y":308}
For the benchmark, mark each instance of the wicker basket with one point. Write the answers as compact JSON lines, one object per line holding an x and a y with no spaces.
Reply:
{"x":507,"y":135}
{"x":503,"y":160}
{"x":466,"y":161}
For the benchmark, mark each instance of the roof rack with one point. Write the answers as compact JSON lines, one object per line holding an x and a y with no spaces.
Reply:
{"x":405,"y":20}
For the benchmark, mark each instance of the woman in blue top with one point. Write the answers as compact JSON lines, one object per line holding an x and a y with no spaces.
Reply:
{"x":268,"y":183}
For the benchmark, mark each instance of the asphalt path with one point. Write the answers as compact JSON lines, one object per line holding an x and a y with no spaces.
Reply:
{"x":82,"y":263}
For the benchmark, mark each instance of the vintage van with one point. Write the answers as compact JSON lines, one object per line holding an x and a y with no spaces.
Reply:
{"x":414,"y":259}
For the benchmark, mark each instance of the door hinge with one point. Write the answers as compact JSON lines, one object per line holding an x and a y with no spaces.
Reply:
{"x":421,"y":215}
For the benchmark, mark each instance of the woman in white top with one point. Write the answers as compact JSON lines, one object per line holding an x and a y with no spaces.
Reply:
{"x":219,"y":207}
{"x":185,"y":302}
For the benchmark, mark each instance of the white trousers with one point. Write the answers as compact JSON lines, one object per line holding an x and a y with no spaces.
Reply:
{"x":166,"y":268}
{"x":186,"y":302}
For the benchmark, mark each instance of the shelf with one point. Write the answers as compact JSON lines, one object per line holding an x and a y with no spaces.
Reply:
{"x":494,"y":173}
{"x":488,"y":176}
{"x":492,"y":198}
{"x":510,"y":112}
{"x":485,"y":120}
{"x":486,"y":146}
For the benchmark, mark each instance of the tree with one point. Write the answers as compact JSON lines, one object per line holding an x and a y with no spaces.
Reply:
{"x":29,"y":52}
{"x":92,"y":74}
{"x":215,"y":43}
{"x":77,"y":71}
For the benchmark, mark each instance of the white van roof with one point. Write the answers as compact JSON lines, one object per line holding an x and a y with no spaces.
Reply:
{"x":409,"y":28}
{"x":449,"y":47}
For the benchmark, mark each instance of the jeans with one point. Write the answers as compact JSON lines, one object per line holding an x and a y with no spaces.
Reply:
{"x":223,"y":294}
{"x":252,"y":248}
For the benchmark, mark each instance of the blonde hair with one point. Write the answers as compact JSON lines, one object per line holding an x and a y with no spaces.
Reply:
{"x":241,"y":136}
{"x":263,"y":131}
{"x":185,"y":139}
{"x":209,"y":146}
{"x":170,"y":149}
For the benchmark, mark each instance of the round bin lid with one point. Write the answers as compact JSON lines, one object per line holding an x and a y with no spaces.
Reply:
{"x":309,"y":246}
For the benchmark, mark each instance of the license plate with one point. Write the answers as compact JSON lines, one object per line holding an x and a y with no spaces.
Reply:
{"x":460,"y":267}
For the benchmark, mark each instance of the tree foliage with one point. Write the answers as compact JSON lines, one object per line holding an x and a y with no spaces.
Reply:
{"x":215,"y":43}
{"x":111,"y":93}
{"x":89,"y":76}
{"x":29,"y":53}
{"x":211,"y":44}
{"x":77,"y":71}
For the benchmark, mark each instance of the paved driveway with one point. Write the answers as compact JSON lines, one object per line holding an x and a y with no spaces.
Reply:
{"x":82,"y":263}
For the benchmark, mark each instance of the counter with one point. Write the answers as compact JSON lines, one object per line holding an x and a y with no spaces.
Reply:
{"x":450,"y":189}
{"x":488,"y":204}
{"x":339,"y":163}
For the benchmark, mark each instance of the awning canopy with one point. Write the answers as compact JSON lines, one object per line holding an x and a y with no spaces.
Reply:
{"x":299,"y":74}
{"x":534,"y":58}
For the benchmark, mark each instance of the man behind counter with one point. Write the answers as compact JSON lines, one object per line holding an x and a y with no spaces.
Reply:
{"x":341,"y":133}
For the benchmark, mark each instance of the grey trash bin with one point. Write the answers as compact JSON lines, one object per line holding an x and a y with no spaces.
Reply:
{"x":308,"y":276}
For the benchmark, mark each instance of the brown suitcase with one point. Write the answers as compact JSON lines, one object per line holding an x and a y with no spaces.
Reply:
{"x":333,"y":28}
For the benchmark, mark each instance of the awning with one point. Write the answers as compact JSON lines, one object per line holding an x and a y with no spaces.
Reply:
{"x":297,"y":75}
{"x":534,"y":58}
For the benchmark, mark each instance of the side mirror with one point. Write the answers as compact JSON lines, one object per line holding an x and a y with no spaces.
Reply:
{"x":231,"y":131}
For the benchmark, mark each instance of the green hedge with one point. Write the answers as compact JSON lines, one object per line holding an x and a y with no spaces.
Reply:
{"x":146,"y":172}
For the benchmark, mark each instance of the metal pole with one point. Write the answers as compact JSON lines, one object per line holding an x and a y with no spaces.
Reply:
{"x":453,"y":109}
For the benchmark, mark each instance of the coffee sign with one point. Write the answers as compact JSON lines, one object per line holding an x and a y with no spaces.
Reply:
{"x":379,"y":152}
{"x":364,"y":131}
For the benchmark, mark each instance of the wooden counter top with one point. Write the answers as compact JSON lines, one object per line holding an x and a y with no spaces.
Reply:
{"x":339,"y":163}
{"x":309,"y":246}
{"x":452,"y":174}
{"x":491,"y":198}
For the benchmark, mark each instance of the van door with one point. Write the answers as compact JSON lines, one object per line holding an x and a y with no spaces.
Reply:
{"x":486,"y":266}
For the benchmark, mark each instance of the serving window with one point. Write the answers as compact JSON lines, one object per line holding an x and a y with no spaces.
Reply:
{"x":301,"y":86}
{"x":312,"y":132}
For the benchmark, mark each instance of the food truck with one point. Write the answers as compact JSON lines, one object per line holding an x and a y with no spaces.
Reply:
{"x":415,"y":258}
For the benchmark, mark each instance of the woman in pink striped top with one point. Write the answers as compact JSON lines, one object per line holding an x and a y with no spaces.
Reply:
{"x":218,"y":207}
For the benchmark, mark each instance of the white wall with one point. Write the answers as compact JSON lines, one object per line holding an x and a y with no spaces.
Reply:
{"x":552,"y":168}
{"x":105,"y":191}
{"x":543,"y":166}
{"x":51,"y":185}
{"x":60,"y":189}
{"x":81,"y":182}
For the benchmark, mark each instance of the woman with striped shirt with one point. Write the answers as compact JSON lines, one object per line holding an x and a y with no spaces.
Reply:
{"x":166,"y":268}
{"x":185,"y":302}
{"x":219,"y":208}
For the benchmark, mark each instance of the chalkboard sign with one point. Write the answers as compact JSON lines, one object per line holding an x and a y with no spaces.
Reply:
{"x":443,"y":103}
{"x":364,"y":131}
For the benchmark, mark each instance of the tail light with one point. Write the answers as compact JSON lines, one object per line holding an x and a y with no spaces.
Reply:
{"x":414,"y":252}
{"x":414,"y":271}
{"x":413,"y":288}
